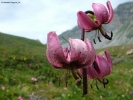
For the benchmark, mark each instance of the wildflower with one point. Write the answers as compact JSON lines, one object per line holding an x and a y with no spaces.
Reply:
{"x":3,"y":87}
{"x":20,"y":98}
{"x":34,"y":79}
{"x":131,"y":92}
{"x":101,"y":67}
{"x":90,"y":20}
{"x":80,"y":55}
{"x":101,"y":97}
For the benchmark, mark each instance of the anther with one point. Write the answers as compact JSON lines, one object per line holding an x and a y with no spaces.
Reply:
{"x":105,"y":82}
{"x":99,"y":39}
{"x":99,"y":36}
{"x":111,"y":34}
{"x":107,"y":37}
{"x":94,"y":41}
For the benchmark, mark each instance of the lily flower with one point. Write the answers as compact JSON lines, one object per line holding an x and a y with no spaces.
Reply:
{"x":100,"y":68}
{"x":93,"y":20}
{"x":80,"y":55}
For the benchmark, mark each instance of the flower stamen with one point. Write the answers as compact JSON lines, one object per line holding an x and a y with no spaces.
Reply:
{"x":65,"y":77}
{"x":95,"y":37}
{"x":104,"y":33}
{"x":78,"y":80}
{"x":100,"y":28}
{"x":99,"y":37}
{"x":104,"y":82}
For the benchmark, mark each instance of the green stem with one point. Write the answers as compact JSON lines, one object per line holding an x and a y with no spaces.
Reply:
{"x":85,"y":88}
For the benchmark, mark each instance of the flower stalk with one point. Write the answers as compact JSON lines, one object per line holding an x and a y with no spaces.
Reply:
{"x":85,"y":88}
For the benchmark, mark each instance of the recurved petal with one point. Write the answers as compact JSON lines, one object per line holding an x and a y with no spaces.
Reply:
{"x":93,"y":72}
{"x":91,"y":52}
{"x":103,"y":66}
{"x":109,"y":59}
{"x":85,"y":21}
{"x":54,"y":51}
{"x":111,"y":12}
{"x":78,"y":51}
{"x":100,"y":12}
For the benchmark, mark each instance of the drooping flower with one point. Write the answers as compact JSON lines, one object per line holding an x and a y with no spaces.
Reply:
{"x":93,"y":20}
{"x":80,"y":54}
{"x":100,"y":68}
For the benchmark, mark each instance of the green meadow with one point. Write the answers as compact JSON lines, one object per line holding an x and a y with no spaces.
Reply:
{"x":22,"y":59}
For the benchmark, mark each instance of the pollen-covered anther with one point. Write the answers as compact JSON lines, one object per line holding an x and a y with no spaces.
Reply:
{"x":104,"y":81}
{"x":99,"y":39}
{"x":104,"y":33}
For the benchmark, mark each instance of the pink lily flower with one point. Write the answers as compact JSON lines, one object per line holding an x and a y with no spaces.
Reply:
{"x":100,"y":68}
{"x":80,"y":55}
{"x":90,"y":20}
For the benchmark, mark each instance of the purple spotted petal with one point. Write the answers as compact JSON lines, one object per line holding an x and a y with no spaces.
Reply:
{"x":85,"y":22}
{"x":78,"y":50}
{"x":55,"y":53}
{"x":91,"y":54}
{"x":80,"y":55}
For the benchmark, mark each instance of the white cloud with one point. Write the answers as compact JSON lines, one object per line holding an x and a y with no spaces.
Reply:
{"x":34,"y":19}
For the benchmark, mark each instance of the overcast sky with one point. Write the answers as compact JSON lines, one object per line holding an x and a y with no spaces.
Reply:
{"x":34,"y":19}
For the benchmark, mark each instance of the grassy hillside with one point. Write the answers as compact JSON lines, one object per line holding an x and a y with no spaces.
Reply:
{"x":6,"y":39}
{"x":21,"y":59}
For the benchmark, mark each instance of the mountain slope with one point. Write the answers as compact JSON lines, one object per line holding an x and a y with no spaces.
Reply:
{"x":121,"y":26}
{"x":6,"y":39}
